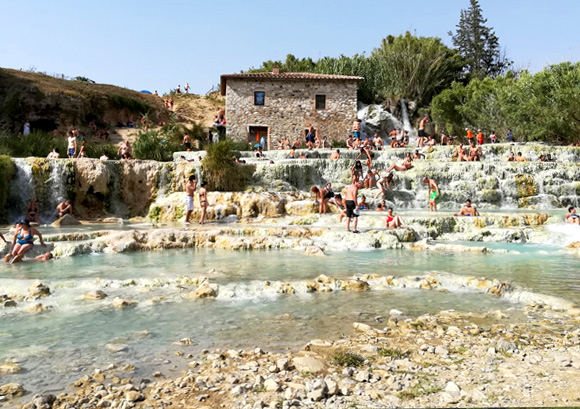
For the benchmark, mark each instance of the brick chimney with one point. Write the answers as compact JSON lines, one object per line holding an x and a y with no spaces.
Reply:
{"x":275,"y":69}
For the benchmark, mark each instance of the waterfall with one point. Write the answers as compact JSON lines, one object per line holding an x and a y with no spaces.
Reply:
{"x":21,"y":190}
{"x":164,"y":180}
{"x":407,"y":123}
{"x":362,"y":114}
{"x":56,"y":186}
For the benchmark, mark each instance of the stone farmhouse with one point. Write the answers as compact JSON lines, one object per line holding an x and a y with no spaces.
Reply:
{"x":275,"y":105}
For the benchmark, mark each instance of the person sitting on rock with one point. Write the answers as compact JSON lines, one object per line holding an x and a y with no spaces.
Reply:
{"x":295,"y":144}
{"x":356,"y":172}
{"x":335,"y":154}
{"x":430,"y":141}
{"x":378,"y":142}
{"x":571,"y":217}
{"x":350,"y":142}
{"x":520,"y":157}
{"x":460,"y":154}
{"x":55,"y":154}
{"x":417,"y":155}
{"x":392,"y":221}
{"x":468,"y":210}
{"x":511,"y":157}
{"x":406,"y":165}
{"x":370,"y":179}
{"x":382,"y":206}
{"x":64,"y":208}
{"x":23,"y":241}
{"x":125,"y":150}
{"x":292,"y":154}
{"x":475,"y":152}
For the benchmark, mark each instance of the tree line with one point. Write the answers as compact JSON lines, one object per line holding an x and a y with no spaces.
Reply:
{"x":468,"y":85}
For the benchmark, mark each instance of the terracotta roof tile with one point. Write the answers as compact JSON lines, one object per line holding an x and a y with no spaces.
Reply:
{"x":285,"y":76}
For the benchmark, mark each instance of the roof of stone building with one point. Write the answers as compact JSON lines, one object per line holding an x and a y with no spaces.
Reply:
{"x":288,"y":76}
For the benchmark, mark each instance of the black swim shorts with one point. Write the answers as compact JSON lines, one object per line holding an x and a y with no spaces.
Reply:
{"x":350,"y":206}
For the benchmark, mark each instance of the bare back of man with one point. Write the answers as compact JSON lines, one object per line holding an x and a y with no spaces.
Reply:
{"x":351,"y":205}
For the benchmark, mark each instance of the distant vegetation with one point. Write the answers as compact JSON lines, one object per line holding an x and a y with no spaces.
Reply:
{"x":6,"y":173}
{"x":220,"y":170}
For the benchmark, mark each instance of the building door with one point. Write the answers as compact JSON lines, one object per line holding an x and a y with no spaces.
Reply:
{"x":259,"y":135}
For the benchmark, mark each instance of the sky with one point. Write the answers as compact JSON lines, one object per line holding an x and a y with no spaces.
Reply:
{"x":156,"y":45}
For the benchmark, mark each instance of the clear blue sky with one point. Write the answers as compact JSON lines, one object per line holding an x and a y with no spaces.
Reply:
{"x":155,"y":45}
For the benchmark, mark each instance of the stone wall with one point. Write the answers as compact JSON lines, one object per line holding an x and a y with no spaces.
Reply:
{"x":289,"y":108}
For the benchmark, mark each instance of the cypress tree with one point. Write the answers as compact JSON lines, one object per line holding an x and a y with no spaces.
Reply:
{"x":478,"y":44}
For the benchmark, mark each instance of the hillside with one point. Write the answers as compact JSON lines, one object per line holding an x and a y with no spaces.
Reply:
{"x":196,"y":108}
{"x":50,"y":103}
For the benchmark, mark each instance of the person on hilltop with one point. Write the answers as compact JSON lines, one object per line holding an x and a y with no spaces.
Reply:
{"x":23,"y":241}
{"x":72,"y":144}
{"x":187,"y":142}
{"x":468,"y":210}
{"x":186,"y":88}
{"x":571,"y":217}
{"x":64,"y":208}
{"x":392,"y":221}
{"x":178,"y":89}
{"x":352,"y":211}
{"x":356,"y":128}
{"x":203,"y":202}
{"x":190,"y":188}
{"x":32,"y":211}
{"x":55,"y":154}
{"x":433,"y":193}
{"x":421,"y":132}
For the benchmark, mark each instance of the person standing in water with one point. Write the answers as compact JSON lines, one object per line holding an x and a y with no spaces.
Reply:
{"x":190,"y":187}
{"x":203,"y":202}
{"x":433,"y":193}
{"x":352,"y":210}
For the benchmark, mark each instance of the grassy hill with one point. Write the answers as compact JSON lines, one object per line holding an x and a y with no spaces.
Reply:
{"x":50,"y":103}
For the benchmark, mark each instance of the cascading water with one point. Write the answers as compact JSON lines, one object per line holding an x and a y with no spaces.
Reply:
{"x":56,"y":186}
{"x":407,"y":123}
{"x":21,"y":190}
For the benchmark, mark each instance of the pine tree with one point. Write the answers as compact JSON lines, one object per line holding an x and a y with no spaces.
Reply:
{"x":478,"y":44}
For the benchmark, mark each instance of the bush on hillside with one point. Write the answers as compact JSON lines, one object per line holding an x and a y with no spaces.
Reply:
{"x":154,"y":145}
{"x":6,"y":172}
{"x":220,"y":170}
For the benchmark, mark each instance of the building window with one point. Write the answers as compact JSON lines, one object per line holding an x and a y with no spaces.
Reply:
{"x":320,"y":102}
{"x":259,"y":97}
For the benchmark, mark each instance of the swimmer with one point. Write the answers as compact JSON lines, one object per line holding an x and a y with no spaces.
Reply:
{"x":32,"y":211}
{"x":23,"y":241}
{"x":511,"y":157}
{"x":433,"y":193}
{"x":571,"y":217}
{"x":362,"y":205}
{"x":203,"y":201}
{"x":382,"y":206}
{"x":352,"y":210}
{"x":335,"y":155}
{"x":190,"y":187}
{"x":520,"y":158}
{"x":393,"y":222}
{"x":468,"y":210}
{"x":43,"y":257}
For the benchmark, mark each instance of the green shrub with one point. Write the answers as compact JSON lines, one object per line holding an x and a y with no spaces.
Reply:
{"x":220,"y":170}
{"x":393,"y":353}
{"x":155,"y":146}
{"x":6,"y":172}
{"x":347,"y":358}
{"x":131,"y":104}
{"x":34,"y":144}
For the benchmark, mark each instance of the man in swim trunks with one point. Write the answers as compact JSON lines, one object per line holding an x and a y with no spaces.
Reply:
{"x":468,"y":210}
{"x":356,"y":128}
{"x":433,"y":193}
{"x":72,"y":145}
{"x":352,"y":210}
{"x":421,"y":132}
{"x":571,"y":217}
{"x":475,"y":152}
{"x":64,"y":208}
{"x":190,"y":187}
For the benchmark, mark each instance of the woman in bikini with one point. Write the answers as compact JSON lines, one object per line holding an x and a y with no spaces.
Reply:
{"x":460,"y":154}
{"x":83,"y":151}
{"x":384,"y":183}
{"x":356,"y":172}
{"x":203,"y":202}
{"x":393,"y":222}
{"x":23,"y":241}
{"x":32,"y":211}
{"x":406,"y":165}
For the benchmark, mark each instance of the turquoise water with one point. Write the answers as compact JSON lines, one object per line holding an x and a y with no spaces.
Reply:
{"x":70,"y":338}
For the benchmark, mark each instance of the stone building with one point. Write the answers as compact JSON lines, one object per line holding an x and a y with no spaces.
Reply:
{"x":275,"y":105}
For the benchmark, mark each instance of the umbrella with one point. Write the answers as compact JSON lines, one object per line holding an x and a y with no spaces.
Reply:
{"x":144,"y":91}
{"x":257,"y":145}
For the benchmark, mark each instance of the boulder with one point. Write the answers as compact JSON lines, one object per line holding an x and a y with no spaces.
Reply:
{"x":9,"y":368}
{"x":308,"y":364}
{"x":37,"y":289}
{"x":205,"y":291}
{"x":120,"y":303}
{"x":12,"y":390}
{"x":94,"y":295}
{"x":66,"y":220}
